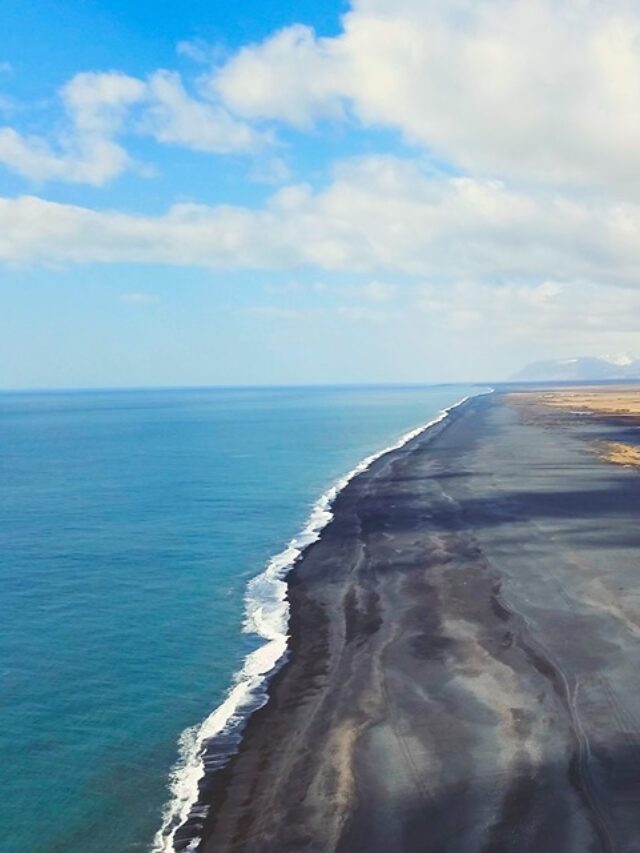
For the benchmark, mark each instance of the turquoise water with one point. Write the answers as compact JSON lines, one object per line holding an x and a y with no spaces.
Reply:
{"x":130,"y":524}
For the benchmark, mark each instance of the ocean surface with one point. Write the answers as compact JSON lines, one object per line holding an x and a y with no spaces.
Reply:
{"x":131,"y":523}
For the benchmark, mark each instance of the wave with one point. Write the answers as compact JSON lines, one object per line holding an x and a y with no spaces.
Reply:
{"x":205,"y":748}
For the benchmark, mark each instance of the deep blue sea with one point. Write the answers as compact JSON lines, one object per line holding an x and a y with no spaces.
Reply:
{"x":130,"y":525}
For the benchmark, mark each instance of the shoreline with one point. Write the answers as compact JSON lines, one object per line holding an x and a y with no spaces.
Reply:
{"x":207,"y":747}
{"x":461,"y":672}
{"x":305,"y":618}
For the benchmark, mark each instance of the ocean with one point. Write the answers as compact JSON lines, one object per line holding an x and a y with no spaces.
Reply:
{"x":131,"y":526}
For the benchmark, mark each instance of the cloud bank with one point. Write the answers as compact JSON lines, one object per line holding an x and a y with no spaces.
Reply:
{"x":529,"y":89}
{"x":376,"y":214}
{"x":529,"y":108}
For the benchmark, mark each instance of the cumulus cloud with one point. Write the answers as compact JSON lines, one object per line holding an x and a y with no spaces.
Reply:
{"x":98,"y":103}
{"x":96,"y":106}
{"x":377,"y":215}
{"x":536,"y":89}
{"x":292,"y":76}
{"x":100,"y":107}
{"x":528,"y":229}
{"x":172,"y":116}
{"x":83,"y":159}
{"x":138,"y":298}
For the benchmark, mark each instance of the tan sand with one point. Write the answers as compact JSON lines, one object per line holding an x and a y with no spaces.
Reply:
{"x":620,"y":453}
{"x":621,"y":404}
{"x":621,"y":401}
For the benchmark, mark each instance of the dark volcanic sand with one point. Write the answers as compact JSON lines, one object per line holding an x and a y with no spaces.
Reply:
{"x":465,"y":658}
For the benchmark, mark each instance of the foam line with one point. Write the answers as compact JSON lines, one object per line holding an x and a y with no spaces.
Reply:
{"x":267,"y":616}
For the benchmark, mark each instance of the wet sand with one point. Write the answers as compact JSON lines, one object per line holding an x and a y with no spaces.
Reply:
{"x":465,"y":645}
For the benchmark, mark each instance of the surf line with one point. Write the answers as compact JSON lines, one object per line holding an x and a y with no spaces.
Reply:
{"x":206,"y":747}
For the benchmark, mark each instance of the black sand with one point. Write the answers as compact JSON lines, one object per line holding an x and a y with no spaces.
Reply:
{"x":465,"y":658}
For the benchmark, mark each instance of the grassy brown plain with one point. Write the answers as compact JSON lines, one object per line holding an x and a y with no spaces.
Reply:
{"x":619,"y":405}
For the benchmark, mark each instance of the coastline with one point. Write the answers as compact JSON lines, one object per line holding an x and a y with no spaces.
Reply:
{"x":461,"y":674}
{"x":206,"y":748}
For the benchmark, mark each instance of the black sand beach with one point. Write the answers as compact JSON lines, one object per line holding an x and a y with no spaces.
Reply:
{"x":465,"y":652}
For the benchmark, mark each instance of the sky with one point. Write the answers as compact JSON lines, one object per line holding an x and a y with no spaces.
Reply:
{"x":339,"y":192}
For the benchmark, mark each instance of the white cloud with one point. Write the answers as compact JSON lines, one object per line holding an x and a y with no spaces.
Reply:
{"x":100,"y":107}
{"x":84,"y":159}
{"x":199,"y":50}
{"x":363,"y":314}
{"x":270,"y":170}
{"x":467,"y":329}
{"x":96,"y":106}
{"x":278,"y":312}
{"x":533,"y":242}
{"x":378,"y":215}
{"x":537,"y":89}
{"x":291,"y":76}
{"x":379,"y":291}
{"x":566,"y":318}
{"x":138,"y":298}
{"x":97,"y":103}
{"x":173,"y":117}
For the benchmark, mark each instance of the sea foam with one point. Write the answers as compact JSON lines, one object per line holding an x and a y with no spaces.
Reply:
{"x":267,"y":616}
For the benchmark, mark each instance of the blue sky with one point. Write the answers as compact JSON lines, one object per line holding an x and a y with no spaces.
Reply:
{"x":314,"y":193}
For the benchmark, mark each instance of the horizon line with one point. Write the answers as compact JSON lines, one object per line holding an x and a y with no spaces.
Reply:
{"x":62,"y":389}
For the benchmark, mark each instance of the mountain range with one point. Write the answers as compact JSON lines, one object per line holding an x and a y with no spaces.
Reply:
{"x":579,"y":370}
